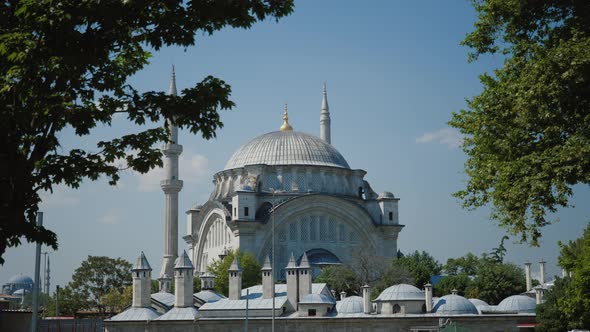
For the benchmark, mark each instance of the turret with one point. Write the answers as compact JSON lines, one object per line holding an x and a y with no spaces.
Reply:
{"x":304,"y":271}
{"x":325,"y":118}
{"x":183,"y":281}
{"x":235,"y":279}
{"x":292,"y":282}
{"x":142,"y":276}
{"x":267,"y":280}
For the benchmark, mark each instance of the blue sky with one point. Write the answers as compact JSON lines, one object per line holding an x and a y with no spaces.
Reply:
{"x":395,"y":71}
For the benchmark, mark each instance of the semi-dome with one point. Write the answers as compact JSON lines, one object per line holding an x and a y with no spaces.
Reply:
{"x":454,"y":305}
{"x":349,"y":305}
{"x":287,"y":148}
{"x":401,"y":292}
{"x":518,"y":303}
{"x":20,"y":279}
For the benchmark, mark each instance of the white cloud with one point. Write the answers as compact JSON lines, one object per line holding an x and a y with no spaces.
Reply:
{"x":61,"y":197}
{"x":111,"y":218}
{"x":450,"y":137}
{"x":193,"y":169}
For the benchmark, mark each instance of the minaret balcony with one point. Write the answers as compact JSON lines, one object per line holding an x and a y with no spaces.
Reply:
{"x":172,"y":149}
{"x":171,"y":185}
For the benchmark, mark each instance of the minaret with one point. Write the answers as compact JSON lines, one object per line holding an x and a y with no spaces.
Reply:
{"x":171,"y":186}
{"x":325,"y":118}
{"x":47,"y":277}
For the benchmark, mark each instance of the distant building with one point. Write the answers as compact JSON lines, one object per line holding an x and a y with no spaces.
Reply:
{"x":18,"y":285}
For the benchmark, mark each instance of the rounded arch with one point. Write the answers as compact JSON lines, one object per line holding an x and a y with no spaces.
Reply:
{"x":356,"y":219}
{"x":213,"y":217}
{"x":396,"y":309}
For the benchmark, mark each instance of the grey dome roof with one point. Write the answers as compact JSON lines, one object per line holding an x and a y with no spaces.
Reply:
{"x":401,"y":292}
{"x":518,"y":303}
{"x":386,"y":194}
{"x":20,"y":279}
{"x":349,"y":305}
{"x":287,"y":148}
{"x":454,"y":305}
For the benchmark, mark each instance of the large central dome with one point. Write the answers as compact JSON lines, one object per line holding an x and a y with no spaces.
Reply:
{"x":287,"y":148}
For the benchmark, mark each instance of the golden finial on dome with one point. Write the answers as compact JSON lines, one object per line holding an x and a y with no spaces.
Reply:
{"x":286,"y":126}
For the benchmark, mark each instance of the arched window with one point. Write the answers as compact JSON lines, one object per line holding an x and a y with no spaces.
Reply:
{"x":396,"y":309}
{"x":390,"y":216}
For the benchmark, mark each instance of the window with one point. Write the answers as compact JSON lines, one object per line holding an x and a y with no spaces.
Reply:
{"x":246,"y":211}
{"x":312,"y":229}
{"x":235,"y":212}
{"x":303,"y":229}
{"x":390,"y":216}
{"x":292,"y":231}
{"x":311,"y":312}
{"x":323,"y":231}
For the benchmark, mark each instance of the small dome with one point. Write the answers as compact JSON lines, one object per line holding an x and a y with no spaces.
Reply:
{"x":20,"y":279}
{"x":349,"y":305}
{"x":454,"y":305}
{"x":317,"y":298}
{"x":518,"y":303}
{"x":480,"y":305}
{"x":287,"y":148}
{"x":386,"y":194}
{"x":401,"y":292}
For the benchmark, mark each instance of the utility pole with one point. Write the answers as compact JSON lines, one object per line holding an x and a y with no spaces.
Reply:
{"x":36,"y":284}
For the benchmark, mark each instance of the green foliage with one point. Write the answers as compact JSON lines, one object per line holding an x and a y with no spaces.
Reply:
{"x":549,"y":315}
{"x":340,"y":279}
{"x":496,"y":281}
{"x":567,"y":302}
{"x":65,"y":64}
{"x":251,"y":271}
{"x":467,"y":264}
{"x":422,"y":266}
{"x":116,"y":300}
{"x":196,"y":284}
{"x":394,"y":273}
{"x":94,"y":279}
{"x":527,"y":135}
{"x":461,"y":282}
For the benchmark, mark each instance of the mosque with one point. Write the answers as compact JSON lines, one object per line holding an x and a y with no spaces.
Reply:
{"x":297,"y":191}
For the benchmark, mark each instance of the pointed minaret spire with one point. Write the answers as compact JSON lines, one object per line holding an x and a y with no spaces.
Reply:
{"x":286,"y":126}
{"x":171,"y":185}
{"x":325,"y":118}
{"x":172,"y":89}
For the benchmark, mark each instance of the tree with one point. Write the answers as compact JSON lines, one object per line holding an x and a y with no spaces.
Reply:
{"x":96,"y":277}
{"x":251,"y":271}
{"x":496,"y":281}
{"x":467,"y":264}
{"x":527,"y":135}
{"x":117,"y":300}
{"x":549,"y":315}
{"x":461,"y":282}
{"x":340,"y":278}
{"x":422,"y":266}
{"x":394,"y":273}
{"x":567,"y":306}
{"x":65,"y":64}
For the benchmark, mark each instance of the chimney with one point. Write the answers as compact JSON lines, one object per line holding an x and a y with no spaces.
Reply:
{"x":454,"y":291}
{"x":527,"y":272}
{"x":164,"y":283}
{"x":141,"y":273}
{"x":367,"y":307}
{"x":304,"y":271}
{"x":292,"y":282}
{"x":267,"y":280}
{"x":539,"y":292}
{"x":207,"y":281}
{"x":342,"y":295}
{"x":428,"y":297}
{"x":235,"y":279}
{"x":542,"y":272}
{"x":183,"y":281}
